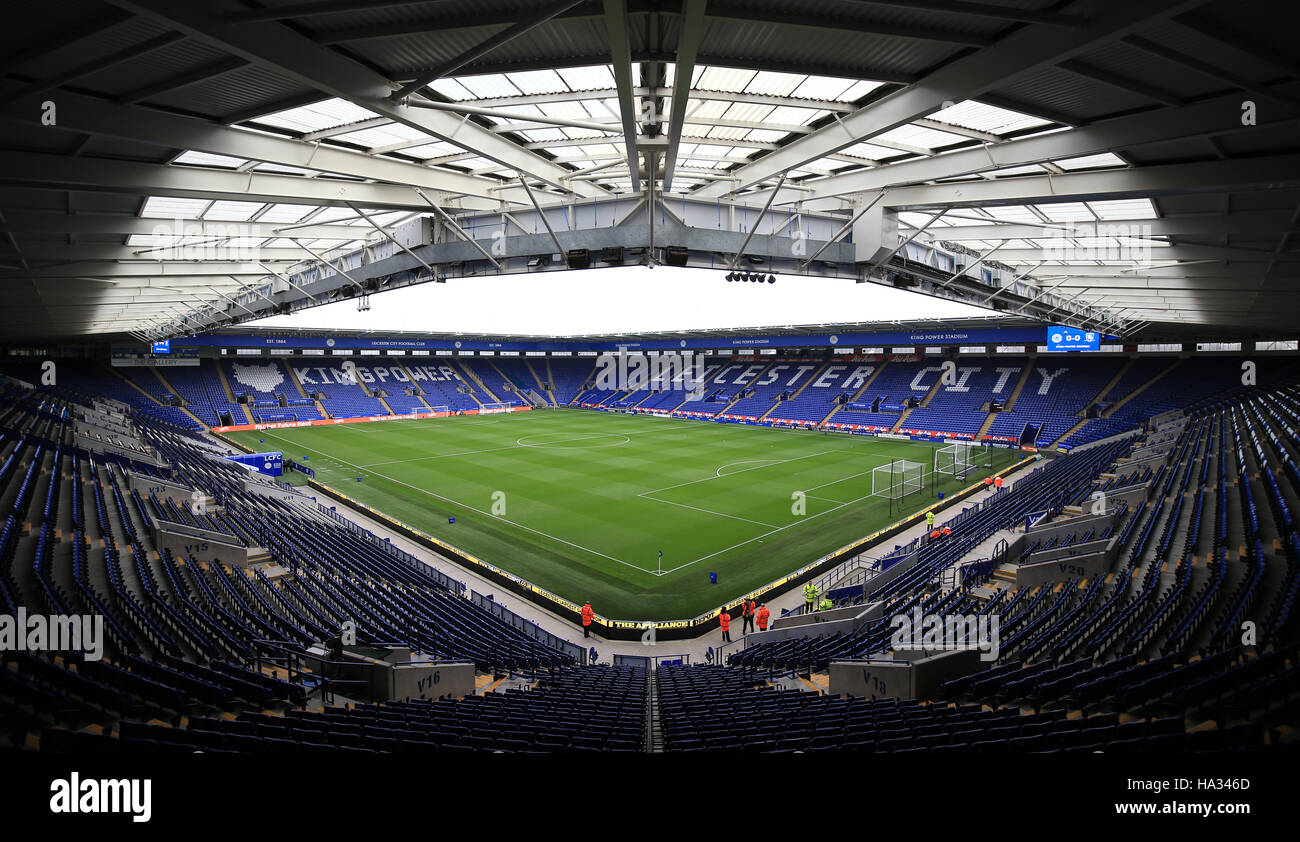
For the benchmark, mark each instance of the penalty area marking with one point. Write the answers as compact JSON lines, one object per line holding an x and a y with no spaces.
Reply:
{"x":799,"y":522}
{"x":718,"y":472}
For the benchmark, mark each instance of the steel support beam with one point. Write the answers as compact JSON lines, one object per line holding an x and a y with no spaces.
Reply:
{"x":479,"y":50}
{"x":1263,"y":173}
{"x":688,"y":47}
{"x":1159,"y":125}
{"x":620,"y":52}
{"x":455,"y":227}
{"x":1030,"y":48}
{"x":58,"y":172}
{"x":294,"y":56}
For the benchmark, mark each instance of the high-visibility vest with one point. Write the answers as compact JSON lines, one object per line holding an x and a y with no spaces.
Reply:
{"x":763,"y":614}
{"x":725,"y":621}
{"x":998,"y":482}
{"x":747,"y":608}
{"x":587,"y":614}
{"x":810,"y":593}
{"x":929,"y":518}
{"x":988,"y":480}
{"x":826,"y":605}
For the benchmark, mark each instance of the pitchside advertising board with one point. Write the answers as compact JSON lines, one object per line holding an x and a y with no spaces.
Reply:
{"x":271,"y":464}
{"x":1063,"y":338}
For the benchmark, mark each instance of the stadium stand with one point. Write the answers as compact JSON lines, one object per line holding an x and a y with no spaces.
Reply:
{"x":1135,"y":658}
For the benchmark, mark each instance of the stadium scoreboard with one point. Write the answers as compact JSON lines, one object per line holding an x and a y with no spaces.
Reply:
{"x":1063,"y":338}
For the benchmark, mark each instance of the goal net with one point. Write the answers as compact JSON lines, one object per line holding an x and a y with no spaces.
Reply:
{"x":960,"y":458}
{"x":898,"y":479}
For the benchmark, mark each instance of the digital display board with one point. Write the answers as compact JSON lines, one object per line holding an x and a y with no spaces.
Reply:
{"x":1062,"y":338}
{"x":163,"y":347}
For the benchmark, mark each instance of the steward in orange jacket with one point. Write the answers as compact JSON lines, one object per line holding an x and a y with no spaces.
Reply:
{"x":762,"y":615}
{"x":587,"y":614}
{"x":747,"y":610}
{"x":724,"y":622}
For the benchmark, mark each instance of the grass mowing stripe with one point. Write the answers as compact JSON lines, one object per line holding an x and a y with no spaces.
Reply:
{"x":504,"y":520}
{"x":580,"y":520}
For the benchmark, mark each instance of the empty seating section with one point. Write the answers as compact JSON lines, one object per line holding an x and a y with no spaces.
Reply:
{"x":343,"y":394}
{"x":439,"y":381}
{"x":389,"y":378}
{"x":823,"y":387}
{"x":200,"y":388}
{"x":492,"y":379}
{"x":713,"y":708}
{"x":958,"y":409}
{"x":268,"y":388}
{"x":75,"y":539}
{"x":782,"y":377}
{"x":599,"y":708}
{"x":568,"y":376}
{"x":1058,"y":388}
{"x":519,"y":371}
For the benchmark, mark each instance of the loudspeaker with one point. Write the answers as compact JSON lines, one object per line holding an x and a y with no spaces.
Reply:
{"x":579,"y":259}
{"x":676,"y":256}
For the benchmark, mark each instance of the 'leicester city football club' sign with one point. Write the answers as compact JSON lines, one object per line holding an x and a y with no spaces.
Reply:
{"x":271,"y":464}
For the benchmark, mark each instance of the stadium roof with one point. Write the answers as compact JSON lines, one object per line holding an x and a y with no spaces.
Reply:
{"x":1137,"y":157}
{"x":793,"y":332}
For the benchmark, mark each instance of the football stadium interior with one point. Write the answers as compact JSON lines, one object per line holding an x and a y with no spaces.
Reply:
{"x":1026,"y":483}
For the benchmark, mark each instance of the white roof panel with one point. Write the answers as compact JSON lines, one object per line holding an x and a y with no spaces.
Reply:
{"x":772,"y":83}
{"x":207,"y":159}
{"x":1105,"y":159}
{"x":162,"y":207}
{"x":588,"y":78}
{"x":724,"y":79}
{"x":987,"y":118}
{"x":328,"y":114}
{"x":226,"y":211}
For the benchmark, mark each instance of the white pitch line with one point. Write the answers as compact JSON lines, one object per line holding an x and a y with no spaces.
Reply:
{"x":842,"y":479}
{"x":741,"y":471}
{"x":718,"y":472}
{"x":765,"y":534}
{"x":706,"y":511}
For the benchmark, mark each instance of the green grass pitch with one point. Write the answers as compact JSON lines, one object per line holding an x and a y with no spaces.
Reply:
{"x":580,"y":503}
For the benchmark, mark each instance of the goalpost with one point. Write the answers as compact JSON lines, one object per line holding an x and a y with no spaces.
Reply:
{"x":961,"y":457}
{"x":898,"y":479}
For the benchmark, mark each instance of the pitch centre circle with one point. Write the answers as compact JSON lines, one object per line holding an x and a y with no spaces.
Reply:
{"x":594,"y":440}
